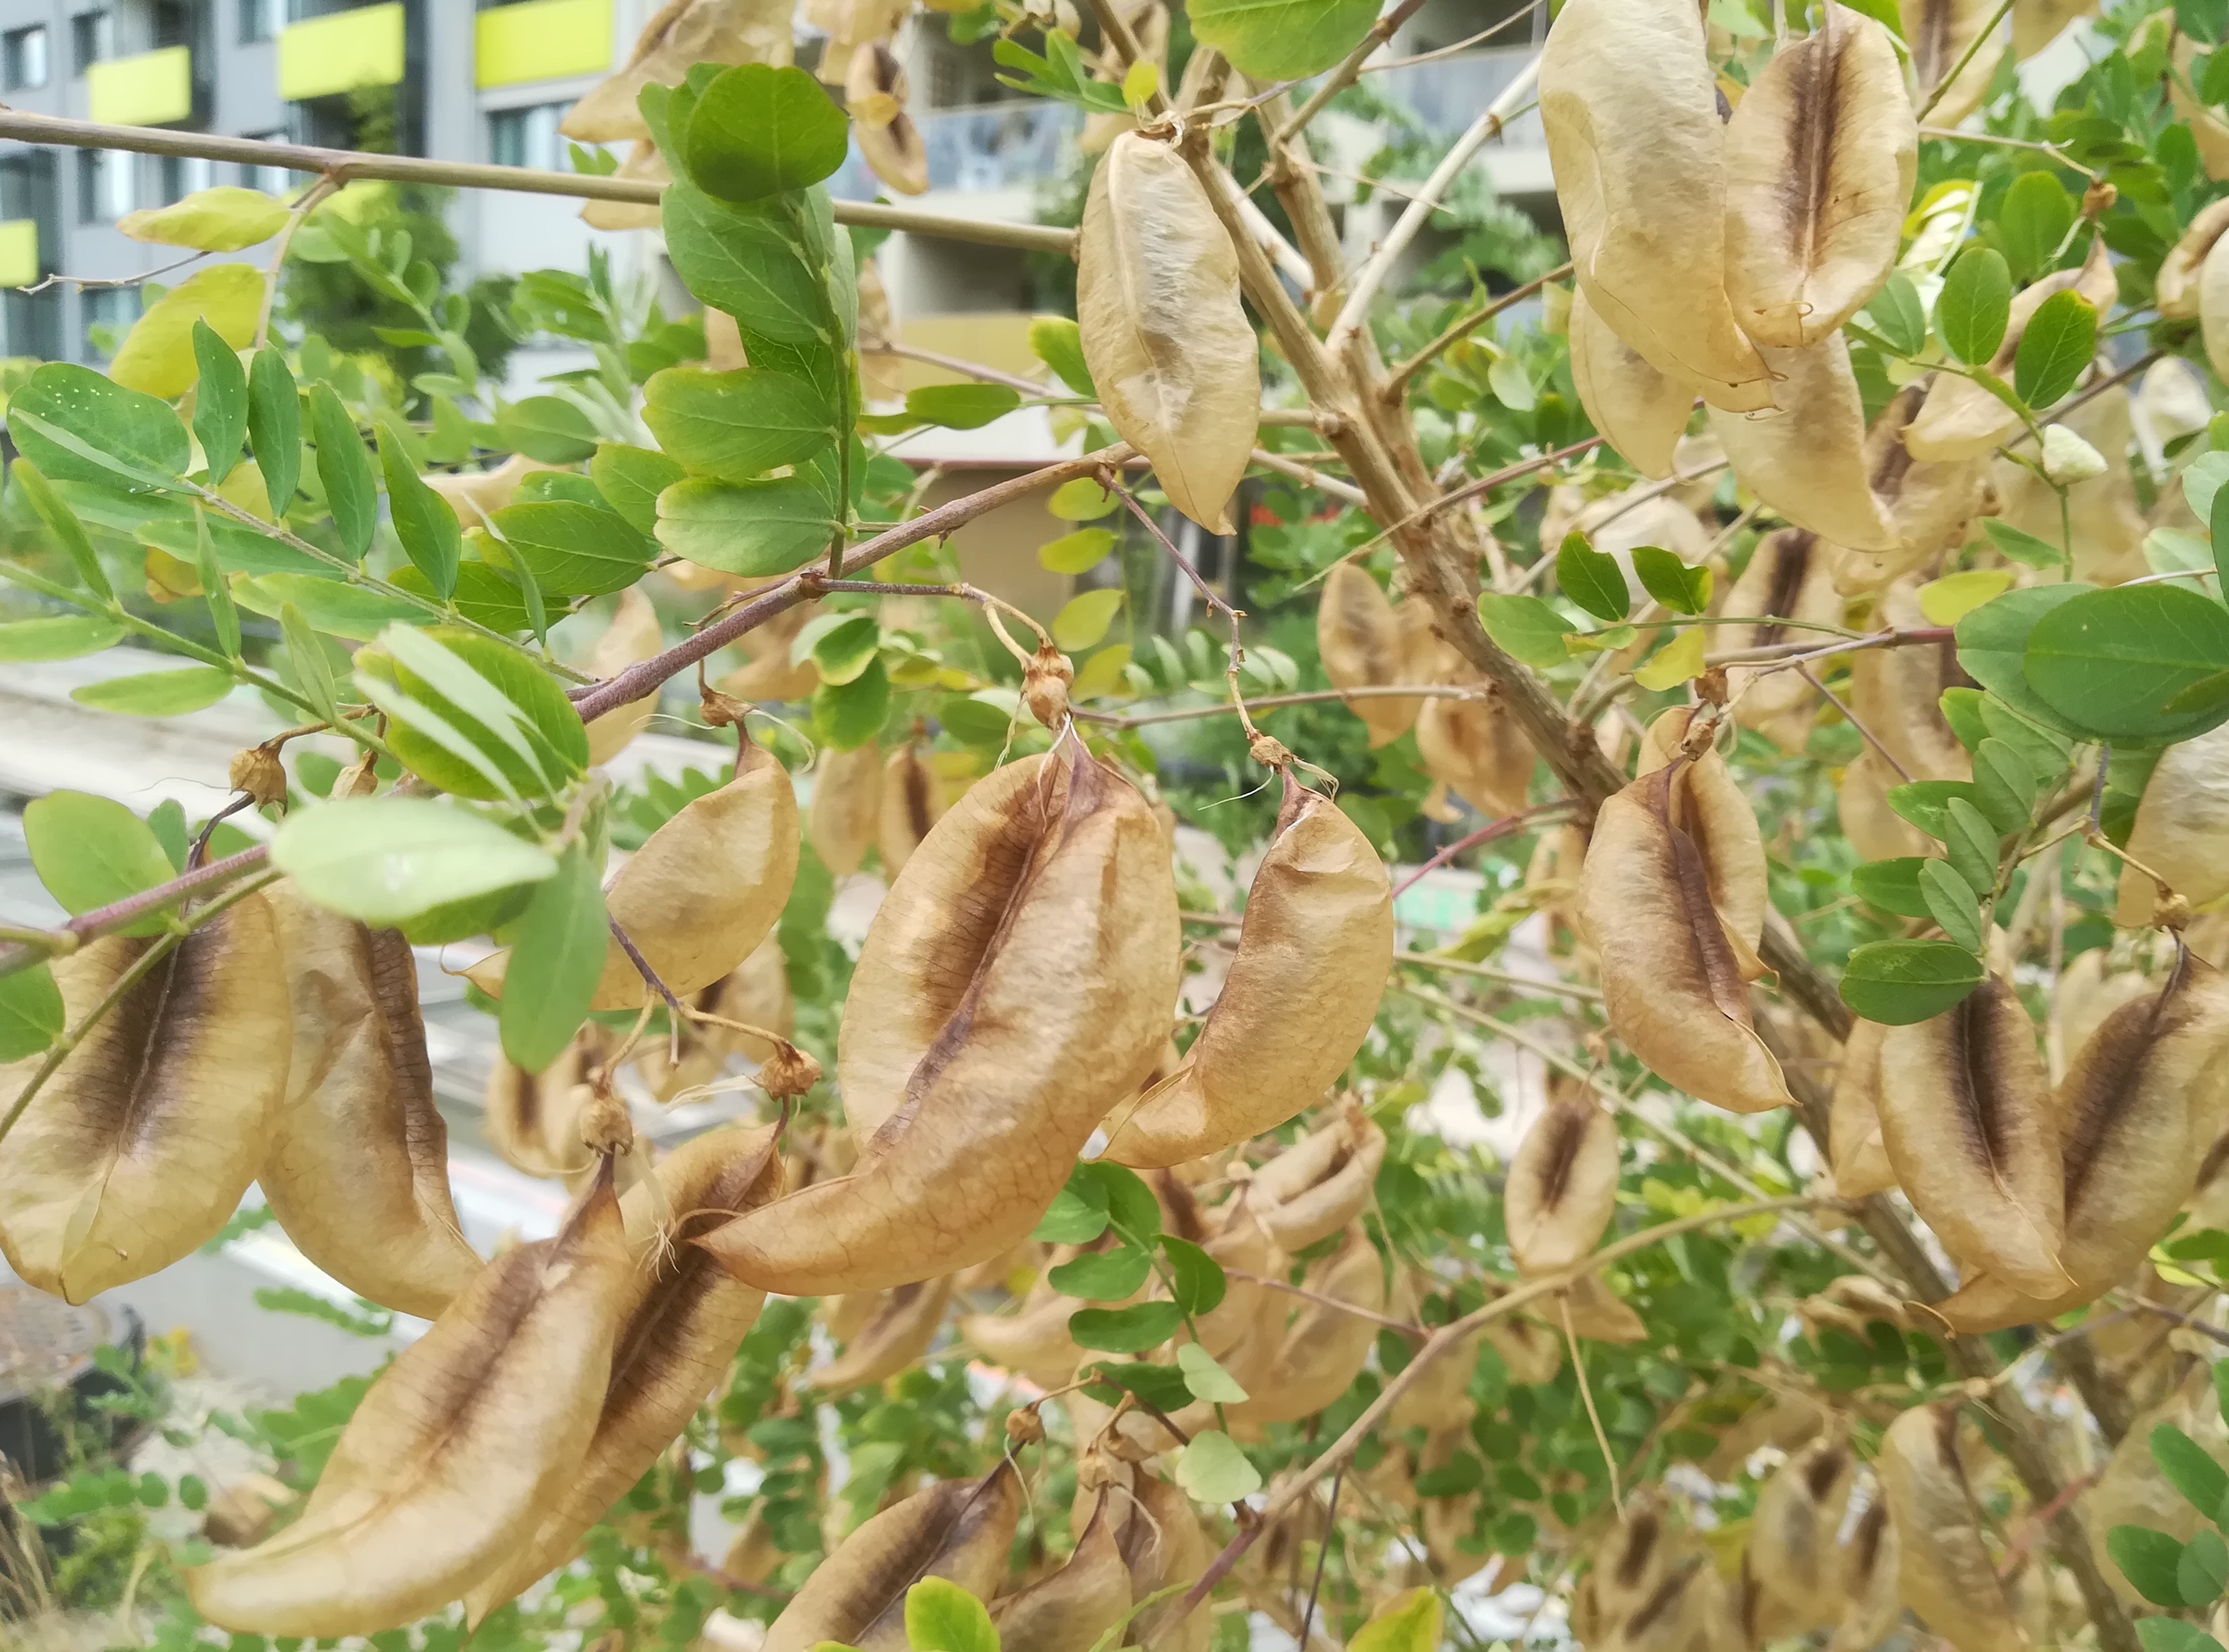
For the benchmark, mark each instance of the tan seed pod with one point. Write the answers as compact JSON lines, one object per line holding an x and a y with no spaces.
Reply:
{"x":1939,"y":33}
{"x":1820,"y":156}
{"x":1641,"y":412}
{"x":1318,"y":1184}
{"x":2177,"y":290}
{"x":1933,"y":504}
{"x":847,"y":794}
{"x":911,"y":801}
{"x":633,"y":637}
{"x":1299,"y":997}
{"x":1897,"y":694}
{"x":1944,"y":1571}
{"x":1966,"y":1115}
{"x":875,"y":88}
{"x":1439,"y":1401}
{"x":2036,"y":23}
{"x":680,"y":1318}
{"x":1533,"y":1352}
{"x":1641,"y":1551}
{"x":1068,"y":1610}
{"x":678,"y":34}
{"x":2133,"y":1491}
{"x":1163,"y":1547}
{"x":1783,"y":1422}
{"x":701,"y":894}
{"x":1324,"y":1346}
{"x":1959,"y":419}
{"x":1859,"y":1155}
{"x":138,"y":1147}
{"x":1875,"y":831}
{"x":959,"y":1530}
{"x":1596,"y":1313}
{"x":1448,"y":1522}
{"x":1709,"y":804}
{"x":643,"y":164}
{"x":1563,"y":1185}
{"x":1792,"y":1549}
{"x":1364,"y":643}
{"x":2206,"y":127}
{"x":1671,"y":975}
{"x":1034,"y":1342}
{"x":903,"y":1324}
{"x":1688,"y":1613}
{"x":1869,"y":1563}
{"x":2089,"y":992}
{"x":532,"y":1120}
{"x":1804,"y":457}
{"x":476,"y":495}
{"x":1791,"y":576}
{"x":1164,"y":333}
{"x":2181,"y":830}
{"x":1631,"y":115}
{"x":1476,"y":746}
{"x":356,"y":1171}
{"x":473,"y":1433}
{"x":1014,"y":986}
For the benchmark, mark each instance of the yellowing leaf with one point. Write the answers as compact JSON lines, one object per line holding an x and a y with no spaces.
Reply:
{"x":1951,"y":599}
{"x":1081,"y":501}
{"x":1102,"y":674}
{"x":1078,"y":552}
{"x":157,"y":355}
{"x":1083,"y":621}
{"x":214,"y":220}
{"x":1140,"y":83}
{"x":1212,"y":1469}
{"x":1408,"y":1623}
{"x":1674,"y":663}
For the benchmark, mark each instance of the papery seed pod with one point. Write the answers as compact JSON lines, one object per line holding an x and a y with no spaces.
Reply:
{"x":1440,"y":1399}
{"x":1966,"y":1115}
{"x":2088,"y":991}
{"x":476,"y":495}
{"x":1933,"y":504}
{"x":1241,"y":1244}
{"x":473,"y":1433}
{"x":1533,"y":1352}
{"x":1875,"y":831}
{"x":1324,"y":1346}
{"x":632,"y":637}
{"x":2133,"y":1491}
{"x":1858,"y":1156}
{"x":852,"y":26}
{"x":1868,"y":1566}
{"x":2209,"y":131}
{"x":1792,"y":1548}
{"x":1594,"y":1313}
{"x":1758,"y":1617}
{"x":899,"y":1332}
{"x":701,"y":894}
{"x":1709,"y":804}
{"x":876,"y":93}
{"x":1671,"y":975}
{"x":2179,"y":287}
{"x":1164,"y":333}
{"x":643,"y":164}
{"x":1782,"y":1421}
{"x":532,"y":1120}
{"x":1944,"y":1572}
{"x":1163,"y":1547}
{"x":1447,"y":1522}
{"x":1804,"y":457}
{"x":1641,"y":1551}
{"x":1897,"y":694}
{"x":356,"y":1170}
{"x":1014,"y":986}
{"x":1939,"y":33}
{"x":1476,"y":746}
{"x":1641,"y":412}
{"x":680,"y":33}
{"x":1563,"y":1185}
{"x":847,"y":794}
{"x":2036,"y":23}
{"x":138,"y":1146}
{"x":1318,"y":1184}
{"x":1821,"y":155}
{"x":1688,"y":1613}
{"x":2181,"y":830}
{"x":1959,"y":419}
{"x":2101,"y":522}
{"x":1034,"y":1342}
{"x":1635,"y":140}
{"x":1365,"y":644}
{"x":680,"y":1318}
{"x":1298,"y":999}
{"x":1790,"y":575}
{"x":1069,"y":1610}
{"x":959,"y":1530}
{"x":912,"y":801}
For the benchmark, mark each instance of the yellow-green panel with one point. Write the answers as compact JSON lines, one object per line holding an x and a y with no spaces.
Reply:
{"x":542,"y":40}
{"x":341,"y":52}
{"x":148,"y":90}
{"x":19,"y":251}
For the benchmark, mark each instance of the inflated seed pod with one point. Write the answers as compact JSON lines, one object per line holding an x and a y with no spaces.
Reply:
{"x":1318,"y":1184}
{"x":1789,"y":576}
{"x":1034,"y":1340}
{"x":1439,"y":1400}
{"x":1641,"y":1551}
{"x":1015,"y":984}
{"x":1941,"y":34}
{"x":1561,"y":1189}
{"x":1068,"y":1609}
{"x":1595,"y":1311}
{"x":476,"y":495}
{"x":1641,"y":412}
{"x":473,"y":1434}
{"x":2089,"y":990}
{"x":1933,"y":504}
{"x":533,"y":1119}
{"x":899,"y":1331}
{"x":138,"y":1147}
{"x":1792,"y":1548}
{"x":1324,"y":1346}
{"x":1805,"y":456}
{"x":2133,"y":1490}
{"x":1533,"y":1352}
{"x":1689,"y":1611}
{"x":633,"y":637}
{"x":876,"y":94}
{"x":911,"y":801}
{"x":1365,"y":642}
{"x":1966,"y":1115}
{"x":1477,"y":749}
{"x":2181,"y":830}
{"x":678,"y":34}
{"x":356,"y":1170}
{"x":847,"y":796}
{"x":1897,"y":694}
{"x":1708,"y":804}
{"x":1163,"y":1547}
{"x":1875,"y":831}
{"x":1868,"y":1566}
{"x":680,"y":1318}
{"x":1944,"y":1571}
{"x":2178,"y":290}
{"x":1296,"y":1004}
{"x":1858,"y":1155}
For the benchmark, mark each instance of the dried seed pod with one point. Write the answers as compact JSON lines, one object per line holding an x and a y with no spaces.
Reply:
{"x":903,"y":1324}
{"x":1790,"y":576}
{"x":356,"y":1171}
{"x":1014,"y":986}
{"x":680,"y":1320}
{"x":1476,"y":746}
{"x":1792,"y":1550}
{"x":1164,"y":333}
{"x":2088,"y":993}
{"x":875,"y":90}
{"x":1034,"y":1342}
{"x":533,"y":1119}
{"x":1897,"y":694}
{"x":1671,"y":975}
{"x":1163,"y":1547}
{"x":1709,"y":804}
{"x":1805,"y":456}
{"x":1641,"y":412}
{"x":633,"y":637}
{"x":1933,"y":504}
{"x":1966,"y":1115}
{"x":1944,"y":1572}
{"x":1869,"y":1564}
{"x":1069,"y":1610}
{"x":1319,"y":1184}
{"x":1959,"y":419}
{"x":1688,"y":1613}
{"x":1533,"y":1352}
{"x":2133,"y":1491}
{"x":1302,"y":993}
{"x":959,"y":1530}
{"x":1634,"y":141}
{"x":701,"y":894}
{"x":847,"y":794}
{"x":1875,"y":831}
{"x":1860,"y":1157}
{"x":473,"y":1433}
{"x":476,"y":495}
{"x":2181,"y":830}
{"x":1364,"y":643}
{"x":138,"y":1147}
{"x":2178,"y":289}
{"x":912,"y":801}
{"x":1596,"y":1313}
{"x":1324,"y":1346}
{"x":1563,"y":1185}
{"x":679,"y":33}
{"x":1439,"y":1401}
{"x":1633,"y":1560}
{"x":1939,"y":34}
{"x":1820,"y":156}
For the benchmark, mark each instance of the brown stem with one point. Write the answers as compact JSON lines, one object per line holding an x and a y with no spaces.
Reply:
{"x":60,"y":941}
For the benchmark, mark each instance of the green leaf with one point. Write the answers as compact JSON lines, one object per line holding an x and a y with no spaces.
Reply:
{"x":1084,"y":618}
{"x":352,"y":489}
{"x":1993,"y":648}
{"x":2150,"y":1560}
{"x":1130,"y":1203}
{"x":220,"y":404}
{"x":758,"y":130}
{"x":547,"y":427}
{"x":61,"y":522}
{"x":1058,"y":343}
{"x":1975,"y":306}
{"x":2054,"y":348}
{"x":753,"y":529}
{"x":1592,"y":579}
{"x":2005,"y":784}
{"x":1196,"y":1279}
{"x":841,"y":645}
{"x":1078,"y":552}
{"x":1212,"y":1469}
{"x":64,"y":636}
{"x":224,"y":618}
{"x":557,"y":958}
{"x":941,"y":1616}
{"x":1961,"y":709}
{"x":2109,"y":662}
{"x":92,"y":851}
{"x":735,"y":426}
{"x":630,"y":479}
{"x":1972,"y":844}
{"x":330,"y":606}
{"x":474,"y":715}
{"x":158,"y":694}
{"x":79,"y":426}
{"x":1282,"y":40}
{"x":1103,"y":1275}
{"x":1080,"y":500}
{"x":2031,"y":220}
{"x":2203,"y":1482}
{"x":1409,"y":1622}
{"x":574,"y":550}
{"x":1899,"y":982}
{"x":275,"y":426}
{"x":1125,"y":1330}
{"x":753,"y":261}
{"x":1206,"y":1380}
{"x":1077,"y":1214}
{"x":2022,"y":547}
{"x":848,"y":715}
{"x":961,"y":406}
{"x":313,"y":672}
{"x":1892,"y":885}
{"x":1671,"y":582}
{"x":1898,"y":315}
{"x":1527,"y":627}
{"x":2172,"y":1633}
{"x":430,"y":533}
{"x":1951,"y":903}
{"x":384,"y":860}
{"x":31,"y":1015}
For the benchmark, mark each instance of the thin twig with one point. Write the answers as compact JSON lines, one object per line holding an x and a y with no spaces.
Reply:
{"x":1274,"y":702}
{"x":1855,"y":721}
{"x":1973,"y":49}
{"x":1343,"y":73}
{"x":1397,"y":380}
{"x":1416,"y":1333}
{"x":1507,"y":825}
{"x":67,"y":938}
{"x":1503,"y":977}
{"x":1587,"y":1394}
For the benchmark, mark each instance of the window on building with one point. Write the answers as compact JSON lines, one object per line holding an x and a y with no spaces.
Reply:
{"x":259,"y":20}
{"x":107,"y":313}
{"x":93,"y":39}
{"x":23,"y":58}
{"x":183,"y":173}
{"x":172,"y":22}
{"x":529,"y":137}
{"x":105,"y":187}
